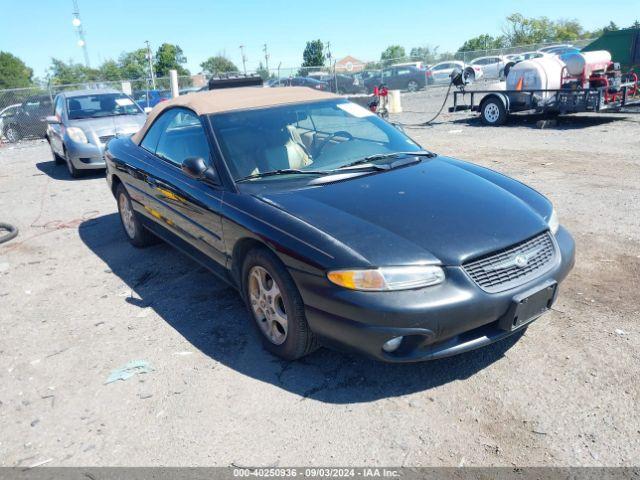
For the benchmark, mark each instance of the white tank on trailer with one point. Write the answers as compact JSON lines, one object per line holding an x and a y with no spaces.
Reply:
{"x":544,"y":73}
{"x":585,"y":63}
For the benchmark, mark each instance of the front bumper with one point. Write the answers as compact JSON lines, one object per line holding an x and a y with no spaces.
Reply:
{"x":85,"y":156}
{"x":439,"y":321}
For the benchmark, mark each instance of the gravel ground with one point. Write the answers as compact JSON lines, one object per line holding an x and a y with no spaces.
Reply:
{"x":77,"y":302}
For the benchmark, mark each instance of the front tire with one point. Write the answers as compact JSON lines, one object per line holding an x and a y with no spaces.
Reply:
{"x":493,"y":113}
{"x":56,"y":158}
{"x":73,"y":171}
{"x":276,"y":306}
{"x":138,"y":236}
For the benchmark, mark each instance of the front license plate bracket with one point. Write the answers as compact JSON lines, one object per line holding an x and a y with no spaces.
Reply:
{"x":529,"y":305}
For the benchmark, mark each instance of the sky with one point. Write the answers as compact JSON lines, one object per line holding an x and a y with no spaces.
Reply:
{"x":37,"y":30}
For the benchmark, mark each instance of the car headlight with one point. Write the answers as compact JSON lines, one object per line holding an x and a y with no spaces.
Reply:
{"x":77,"y":135}
{"x":553,"y":222}
{"x":388,"y":278}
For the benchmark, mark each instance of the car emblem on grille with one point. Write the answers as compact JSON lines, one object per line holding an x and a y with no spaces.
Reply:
{"x":519,"y":260}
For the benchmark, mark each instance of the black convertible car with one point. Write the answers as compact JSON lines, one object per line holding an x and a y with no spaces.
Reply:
{"x":337,"y":228}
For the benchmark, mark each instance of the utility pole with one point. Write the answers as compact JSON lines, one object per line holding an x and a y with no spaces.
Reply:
{"x":152,"y":74}
{"x":76,"y":22}
{"x":266,"y":58}
{"x":244,"y":59}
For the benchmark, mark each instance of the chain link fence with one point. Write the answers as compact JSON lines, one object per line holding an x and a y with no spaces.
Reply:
{"x":23,"y":111}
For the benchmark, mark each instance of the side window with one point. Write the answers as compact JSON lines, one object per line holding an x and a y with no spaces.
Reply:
{"x":58,"y":107}
{"x":150,"y":140}
{"x":182,"y":138}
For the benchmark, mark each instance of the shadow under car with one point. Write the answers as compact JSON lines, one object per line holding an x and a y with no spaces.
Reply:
{"x":212,"y":317}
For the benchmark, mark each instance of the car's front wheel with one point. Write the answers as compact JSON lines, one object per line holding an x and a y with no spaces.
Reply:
{"x":73,"y":171}
{"x":136,"y":233}
{"x":276,"y":306}
{"x":56,"y":158}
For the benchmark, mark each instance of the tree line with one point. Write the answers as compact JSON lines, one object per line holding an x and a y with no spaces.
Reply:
{"x":518,"y":30}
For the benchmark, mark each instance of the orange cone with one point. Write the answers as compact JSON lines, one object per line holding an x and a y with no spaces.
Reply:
{"x":519,"y":84}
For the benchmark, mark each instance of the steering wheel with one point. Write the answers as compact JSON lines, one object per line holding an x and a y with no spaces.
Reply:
{"x":339,"y":133}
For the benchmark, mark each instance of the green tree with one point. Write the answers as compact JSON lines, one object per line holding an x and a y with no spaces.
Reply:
{"x":13,"y":72}
{"x":520,"y":30}
{"x":393,"y":53}
{"x":218,"y":64}
{"x":263,"y":72}
{"x":170,"y":57}
{"x":482,"y":42}
{"x":134,"y":65}
{"x":567,"y":30}
{"x":426,"y":53}
{"x":63,"y":73}
{"x":110,"y":70}
{"x":313,"y":55}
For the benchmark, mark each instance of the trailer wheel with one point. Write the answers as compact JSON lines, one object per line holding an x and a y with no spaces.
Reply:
{"x":493,"y":112}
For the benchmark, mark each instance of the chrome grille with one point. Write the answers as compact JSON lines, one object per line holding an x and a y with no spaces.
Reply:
{"x":105,"y":138}
{"x":513,"y":266}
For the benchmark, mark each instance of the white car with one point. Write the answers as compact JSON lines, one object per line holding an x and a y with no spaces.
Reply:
{"x":441,"y":72}
{"x":492,"y":66}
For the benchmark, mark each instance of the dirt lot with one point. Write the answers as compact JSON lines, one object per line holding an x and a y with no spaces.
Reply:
{"x":78,"y":302}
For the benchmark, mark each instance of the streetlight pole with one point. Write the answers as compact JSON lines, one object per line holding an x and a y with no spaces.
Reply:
{"x":244,"y":59}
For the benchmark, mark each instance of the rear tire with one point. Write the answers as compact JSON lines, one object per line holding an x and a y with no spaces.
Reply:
{"x":412,"y":86}
{"x":12,"y":134}
{"x":138,"y":236}
{"x":493,"y":113}
{"x":275,"y":305}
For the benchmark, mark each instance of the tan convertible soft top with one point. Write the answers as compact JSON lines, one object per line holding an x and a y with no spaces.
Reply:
{"x":227,"y":99}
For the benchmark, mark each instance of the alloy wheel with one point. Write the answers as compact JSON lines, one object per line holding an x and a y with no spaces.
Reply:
{"x":267,"y":305}
{"x":126,"y":213}
{"x":11,"y":134}
{"x":412,"y":86}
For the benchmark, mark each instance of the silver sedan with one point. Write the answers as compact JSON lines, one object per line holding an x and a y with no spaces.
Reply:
{"x":84,"y":121}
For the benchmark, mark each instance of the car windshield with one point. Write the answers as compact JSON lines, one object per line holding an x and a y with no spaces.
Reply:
{"x":101,"y":105}
{"x":318,"y":136}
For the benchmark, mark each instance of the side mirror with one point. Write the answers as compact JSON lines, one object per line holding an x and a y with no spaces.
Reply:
{"x":195,"y":167}
{"x":52,"y":119}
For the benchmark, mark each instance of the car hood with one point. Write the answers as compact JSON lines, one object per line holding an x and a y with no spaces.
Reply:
{"x":440,"y":209}
{"x":117,"y":124}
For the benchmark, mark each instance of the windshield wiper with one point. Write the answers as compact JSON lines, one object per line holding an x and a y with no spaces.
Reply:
{"x":283,"y":171}
{"x":289,"y":171}
{"x":382,"y":156}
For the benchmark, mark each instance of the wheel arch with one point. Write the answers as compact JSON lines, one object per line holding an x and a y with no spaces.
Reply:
{"x":239,"y":253}
{"x":115,"y":181}
{"x":499,"y":96}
